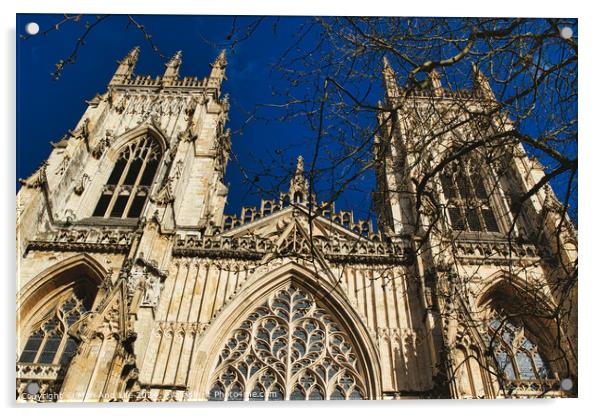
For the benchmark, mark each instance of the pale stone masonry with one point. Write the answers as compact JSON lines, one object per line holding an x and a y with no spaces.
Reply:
{"x":134,"y":286}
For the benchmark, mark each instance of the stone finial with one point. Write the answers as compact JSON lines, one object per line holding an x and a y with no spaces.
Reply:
{"x":389,"y":79}
{"x":218,"y":69}
{"x":126,"y":67}
{"x":172,"y":68}
{"x":220,"y":61}
{"x":387,"y":67}
{"x":481,"y":84}
{"x":299,"y":187}
{"x":435,"y":79}
{"x":299,"y":170}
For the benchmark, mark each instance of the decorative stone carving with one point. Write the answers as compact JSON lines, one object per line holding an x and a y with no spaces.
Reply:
{"x":103,"y":143}
{"x":37,"y":179}
{"x":152,"y":290}
{"x":81,"y":184}
{"x":145,"y":276}
{"x":255,"y":247}
{"x":165,"y":196}
{"x":496,"y":252}
{"x":83,"y":240}
{"x":187,"y":135}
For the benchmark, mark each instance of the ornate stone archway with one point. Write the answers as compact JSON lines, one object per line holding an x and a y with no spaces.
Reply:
{"x":341,"y":362}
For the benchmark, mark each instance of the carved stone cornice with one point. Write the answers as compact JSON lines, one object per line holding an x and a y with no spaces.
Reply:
{"x":35,"y":371}
{"x":255,"y":248}
{"x":83,"y":240}
{"x":495,"y":252}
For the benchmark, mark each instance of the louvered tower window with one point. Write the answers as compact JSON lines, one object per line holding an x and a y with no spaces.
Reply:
{"x":126,"y":190}
{"x":468,"y":201}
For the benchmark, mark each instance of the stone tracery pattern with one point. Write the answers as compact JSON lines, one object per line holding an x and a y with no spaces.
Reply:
{"x":128,"y":185}
{"x":288,"y":349}
{"x":49,"y":350}
{"x":516,"y":355}
{"x":49,"y":342}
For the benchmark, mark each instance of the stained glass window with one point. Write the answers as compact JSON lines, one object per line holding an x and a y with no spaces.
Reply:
{"x":517,"y":356}
{"x":49,"y":342}
{"x":288,"y":348}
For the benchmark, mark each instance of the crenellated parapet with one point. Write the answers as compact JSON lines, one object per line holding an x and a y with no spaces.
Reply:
{"x":124,"y":75}
{"x":268,"y":207}
{"x":299,"y":196}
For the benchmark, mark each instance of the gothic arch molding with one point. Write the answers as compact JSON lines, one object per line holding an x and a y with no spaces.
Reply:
{"x":147,"y":129}
{"x":127,"y":173}
{"x":515,"y":295}
{"x":81,"y":271}
{"x":503,"y":289}
{"x":207,"y":351}
{"x":502,"y":279}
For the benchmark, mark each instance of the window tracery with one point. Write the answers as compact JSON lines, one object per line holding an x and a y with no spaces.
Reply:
{"x":49,"y":341}
{"x":126,"y":190}
{"x":517,"y":356}
{"x":468,"y":200}
{"x":288,"y":349}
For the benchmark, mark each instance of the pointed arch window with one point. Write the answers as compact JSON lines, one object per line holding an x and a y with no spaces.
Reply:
{"x":128,"y":186}
{"x":468,"y":200}
{"x":49,"y":341}
{"x":288,"y":349}
{"x":516,"y":355}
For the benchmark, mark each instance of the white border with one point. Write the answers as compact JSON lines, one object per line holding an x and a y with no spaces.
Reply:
{"x":590,"y":24}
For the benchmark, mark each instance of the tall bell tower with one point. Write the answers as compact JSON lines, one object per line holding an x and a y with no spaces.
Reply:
{"x":453,"y":178}
{"x":147,"y":157}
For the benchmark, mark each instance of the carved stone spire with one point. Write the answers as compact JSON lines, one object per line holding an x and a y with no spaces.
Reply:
{"x":435,"y":79}
{"x":299,"y":187}
{"x":299,"y":170}
{"x":218,"y":70}
{"x":126,"y":67}
{"x":172,"y":68}
{"x":481,"y":84}
{"x":390,"y":80}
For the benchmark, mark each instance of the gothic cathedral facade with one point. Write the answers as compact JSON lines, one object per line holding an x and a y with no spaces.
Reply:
{"x":133,"y":285}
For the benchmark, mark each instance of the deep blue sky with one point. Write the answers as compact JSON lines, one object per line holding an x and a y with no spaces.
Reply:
{"x":47,"y":108}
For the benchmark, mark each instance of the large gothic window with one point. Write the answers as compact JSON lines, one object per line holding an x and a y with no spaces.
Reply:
{"x":517,"y":356}
{"x":126,"y":190}
{"x":468,"y":201}
{"x":288,"y":349}
{"x":49,"y":341}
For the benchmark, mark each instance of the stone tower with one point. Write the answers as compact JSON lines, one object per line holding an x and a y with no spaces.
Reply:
{"x":451,"y":174}
{"x":147,"y":156}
